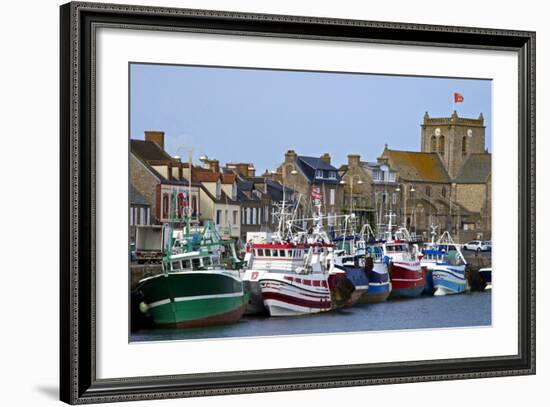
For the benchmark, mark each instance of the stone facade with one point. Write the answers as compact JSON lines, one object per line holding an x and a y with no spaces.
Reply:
{"x":453,"y":139}
{"x":303,"y":173}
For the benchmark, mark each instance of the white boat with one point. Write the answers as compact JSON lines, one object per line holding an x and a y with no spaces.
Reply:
{"x":445,"y":265}
{"x":294,"y":274}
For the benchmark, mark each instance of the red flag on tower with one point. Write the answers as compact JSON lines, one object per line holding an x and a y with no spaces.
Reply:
{"x":458,"y":97}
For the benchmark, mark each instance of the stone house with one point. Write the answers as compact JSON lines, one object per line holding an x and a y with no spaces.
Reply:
{"x":257,"y":197}
{"x":156,"y":175}
{"x":306,"y":175}
{"x":369,"y":189}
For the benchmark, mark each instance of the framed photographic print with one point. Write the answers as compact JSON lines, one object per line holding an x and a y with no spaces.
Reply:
{"x":256,"y":203}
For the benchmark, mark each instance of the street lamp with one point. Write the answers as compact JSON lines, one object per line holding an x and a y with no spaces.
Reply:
{"x":351,"y":188}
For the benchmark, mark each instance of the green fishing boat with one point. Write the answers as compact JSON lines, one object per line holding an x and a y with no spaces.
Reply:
{"x":200,"y":283}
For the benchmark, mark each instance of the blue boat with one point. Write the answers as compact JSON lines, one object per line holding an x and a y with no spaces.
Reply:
{"x":445,"y":267}
{"x":357,"y":274}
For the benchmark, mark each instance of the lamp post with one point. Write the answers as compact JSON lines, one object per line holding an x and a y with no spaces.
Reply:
{"x":351,"y":188}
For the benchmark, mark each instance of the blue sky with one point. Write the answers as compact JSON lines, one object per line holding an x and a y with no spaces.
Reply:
{"x":250,"y":115}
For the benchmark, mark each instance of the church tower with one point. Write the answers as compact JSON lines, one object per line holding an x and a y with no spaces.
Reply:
{"x":453,"y":139}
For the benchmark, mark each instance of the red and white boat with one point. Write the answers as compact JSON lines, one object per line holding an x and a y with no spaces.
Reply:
{"x":295,"y":275}
{"x":401,"y":256}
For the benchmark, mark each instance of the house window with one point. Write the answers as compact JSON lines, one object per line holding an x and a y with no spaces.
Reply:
{"x":243,"y":218}
{"x":218,"y":190}
{"x":226,"y":219}
{"x":218,"y":217}
{"x":318,"y":174}
{"x":148,"y":221}
{"x":332,"y":174}
{"x":259,"y":215}
{"x":332,"y":197}
{"x":165,"y":206}
{"x":131,"y":216}
{"x":266,"y":214}
{"x":253,"y":216}
{"x":235,"y":214}
{"x":394,"y":198}
{"x":194,"y":205}
{"x":248,"y":216}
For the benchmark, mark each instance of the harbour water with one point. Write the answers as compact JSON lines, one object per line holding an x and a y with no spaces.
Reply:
{"x":463,"y":310}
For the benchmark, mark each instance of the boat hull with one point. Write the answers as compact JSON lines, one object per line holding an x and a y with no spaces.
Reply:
{"x":255,"y":304}
{"x":448,"y":280}
{"x":286,"y":295}
{"x":407,"y":279}
{"x":486,"y":275}
{"x":193,"y":299}
{"x":379,"y":284}
{"x":359,"y":278}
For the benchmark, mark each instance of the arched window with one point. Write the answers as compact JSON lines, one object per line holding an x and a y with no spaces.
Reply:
{"x":433,"y":142}
{"x":441,"y":149}
{"x":428,"y":191}
{"x":464,"y":145}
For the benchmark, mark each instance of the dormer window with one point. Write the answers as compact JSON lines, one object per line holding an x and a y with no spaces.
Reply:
{"x":332,"y":174}
{"x":319,"y":174}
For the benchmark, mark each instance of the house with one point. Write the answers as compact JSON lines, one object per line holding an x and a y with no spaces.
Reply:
{"x":156,"y":175}
{"x":313,"y":177}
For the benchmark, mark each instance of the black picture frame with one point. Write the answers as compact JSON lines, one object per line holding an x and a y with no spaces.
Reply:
{"x":78,"y":381}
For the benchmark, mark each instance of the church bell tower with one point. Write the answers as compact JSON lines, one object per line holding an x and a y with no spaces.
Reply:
{"x":453,"y":139}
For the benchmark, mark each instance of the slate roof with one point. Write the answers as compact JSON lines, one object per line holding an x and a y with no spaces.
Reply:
{"x":150,"y":151}
{"x":475,"y":170}
{"x":308,"y":166}
{"x":416,"y":166}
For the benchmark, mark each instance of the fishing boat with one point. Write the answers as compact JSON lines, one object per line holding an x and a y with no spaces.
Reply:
{"x":294,"y":274}
{"x":401,"y":256}
{"x":352,"y":262}
{"x":195,"y":288}
{"x":445,"y":264}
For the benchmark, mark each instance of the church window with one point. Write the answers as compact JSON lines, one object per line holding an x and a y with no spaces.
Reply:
{"x":433,"y":143}
{"x":428,"y":191}
{"x":443,"y":192}
{"x":464,"y":145}
{"x":441,"y":149}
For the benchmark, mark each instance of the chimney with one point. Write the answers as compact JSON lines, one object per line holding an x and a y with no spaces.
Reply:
{"x":251,"y":170}
{"x":326,"y":158}
{"x":353,"y":160}
{"x":156,"y":137}
{"x":214,"y":165}
{"x":290,"y":156}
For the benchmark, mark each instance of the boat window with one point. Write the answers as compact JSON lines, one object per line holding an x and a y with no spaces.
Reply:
{"x":186,"y":264}
{"x":260,"y":252}
{"x":176,"y":265}
{"x":196,"y":263}
{"x":282,"y":253}
{"x":274,"y":253}
{"x":206,"y":261}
